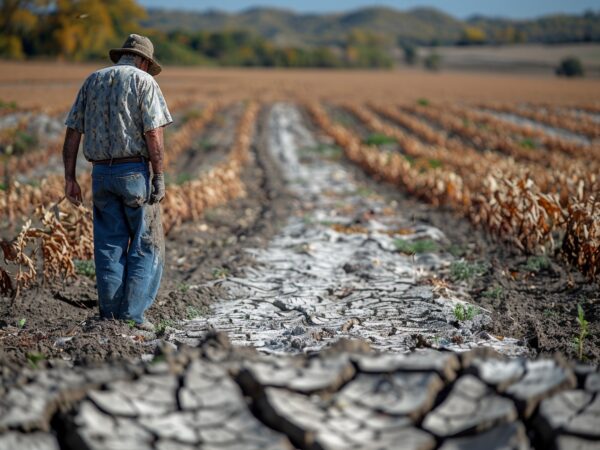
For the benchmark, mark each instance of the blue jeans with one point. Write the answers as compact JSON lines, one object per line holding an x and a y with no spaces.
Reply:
{"x":128,"y":240}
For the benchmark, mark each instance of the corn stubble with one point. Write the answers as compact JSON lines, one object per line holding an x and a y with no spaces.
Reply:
{"x":65,"y":233}
{"x":523,"y":201}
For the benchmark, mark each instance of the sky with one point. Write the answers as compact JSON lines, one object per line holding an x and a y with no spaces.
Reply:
{"x":458,"y":8}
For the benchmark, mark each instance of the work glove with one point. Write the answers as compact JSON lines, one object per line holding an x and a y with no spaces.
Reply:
{"x":158,"y":188}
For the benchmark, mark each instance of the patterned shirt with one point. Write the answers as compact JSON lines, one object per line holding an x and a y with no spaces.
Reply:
{"x":114,"y":108}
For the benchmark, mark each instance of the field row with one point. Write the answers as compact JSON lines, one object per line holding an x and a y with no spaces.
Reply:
{"x":64,"y":233}
{"x":535,"y":207}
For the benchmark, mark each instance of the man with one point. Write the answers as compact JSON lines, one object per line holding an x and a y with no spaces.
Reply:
{"x":120,"y":110}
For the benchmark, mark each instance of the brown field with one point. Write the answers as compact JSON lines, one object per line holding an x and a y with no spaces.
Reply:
{"x":55,"y":85}
{"x":528,"y":58}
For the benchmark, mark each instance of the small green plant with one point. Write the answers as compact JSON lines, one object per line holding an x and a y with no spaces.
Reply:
{"x":457,"y":250}
{"x":2,"y":187}
{"x":423,"y":102}
{"x":21,"y":323}
{"x":161,"y":327}
{"x":579,"y":340}
{"x":33,"y":358}
{"x":528,"y":143}
{"x":332,"y":152}
{"x":130,"y":323}
{"x":183,"y":287}
{"x":85,"y":268}
{"x":191,"y":114}
{"x":462,"y":313}
{"x":23,"y":142}
{"x":183,"y":178}
{"x":537,"y":263}
{"x":8,"y":105}
{"x":410,"y":159}
{"x":379,"y":139}
{"x":192,"y":312}
{"x":363,"y":191}
{"x":493,"y":292}
{"x":206,"y":144}
{"x":435,"y":163}
{"x":548,"y":313}
{"x":416,"y":247}
{"x":220,"y":272}
{"x":465,"y":270}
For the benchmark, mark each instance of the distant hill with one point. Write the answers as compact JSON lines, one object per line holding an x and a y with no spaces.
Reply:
{"x":419,"y":26}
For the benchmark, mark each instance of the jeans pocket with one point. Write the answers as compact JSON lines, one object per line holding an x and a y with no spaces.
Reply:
{"x":98,"y":192}
{"x":133,"y":189}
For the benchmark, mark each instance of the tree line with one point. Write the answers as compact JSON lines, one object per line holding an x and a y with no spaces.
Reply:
{"x":80,"y":30}
{"x":85,"y":29}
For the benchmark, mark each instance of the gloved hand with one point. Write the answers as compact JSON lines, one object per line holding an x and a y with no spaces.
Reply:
{"x":158,"y":188}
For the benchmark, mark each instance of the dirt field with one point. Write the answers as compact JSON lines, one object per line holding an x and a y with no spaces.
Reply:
{"x":531,"y":59}
{"x":55,"y":85}
{"x":284,"y":313}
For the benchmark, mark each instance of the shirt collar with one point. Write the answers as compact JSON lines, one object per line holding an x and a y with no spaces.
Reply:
{"x":126,"y":60}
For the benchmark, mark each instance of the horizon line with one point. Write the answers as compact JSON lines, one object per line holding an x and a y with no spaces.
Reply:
{"x":361,"y":8}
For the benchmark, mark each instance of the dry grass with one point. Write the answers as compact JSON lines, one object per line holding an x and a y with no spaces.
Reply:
{"x":55,"y":85}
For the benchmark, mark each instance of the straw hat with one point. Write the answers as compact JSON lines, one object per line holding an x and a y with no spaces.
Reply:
{"x":138,"y":45}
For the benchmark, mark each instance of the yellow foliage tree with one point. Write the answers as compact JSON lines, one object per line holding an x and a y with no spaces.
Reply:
{"x":70,"y":29}
{"x":473,"y":35}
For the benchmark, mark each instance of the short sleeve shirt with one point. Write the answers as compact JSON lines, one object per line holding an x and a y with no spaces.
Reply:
{"x":114,"y":108}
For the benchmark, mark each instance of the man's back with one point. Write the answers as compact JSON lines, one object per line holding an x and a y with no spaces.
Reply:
{"x":114,"y":108}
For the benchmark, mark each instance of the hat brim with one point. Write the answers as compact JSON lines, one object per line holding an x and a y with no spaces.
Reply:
{"x":153,"y":69}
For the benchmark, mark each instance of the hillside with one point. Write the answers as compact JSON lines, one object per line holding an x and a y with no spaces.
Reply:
{"x":420,"y":25}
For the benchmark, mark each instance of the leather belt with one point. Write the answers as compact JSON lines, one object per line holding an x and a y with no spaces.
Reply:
{"x":126,"y":159}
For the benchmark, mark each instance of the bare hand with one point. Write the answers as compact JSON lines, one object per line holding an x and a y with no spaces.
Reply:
{"x":73,"y":192}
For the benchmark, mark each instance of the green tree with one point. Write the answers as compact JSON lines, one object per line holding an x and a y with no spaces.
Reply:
{"x":570,"y":67}
{"x":433,"y":61}
{"x":411,"y":57}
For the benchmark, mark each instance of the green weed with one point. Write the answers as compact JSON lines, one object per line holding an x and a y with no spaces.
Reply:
{"x":33,"y":358}
{"x":8,"y":105}
{"x":465,"y":270}
{"x":379,"y":139}
{"x":363,"y":191}
{"x":190,"y":114}
{"x":86,"y":268}
{"x":183,"y":287}
{"x":423,"y":102}
{"x":435,"y":163}
{"x":493,"y":292}
{"x":192,"y":312}
{"x":410,"y":159}
{"x":21,"y":323}
{"x":462,"y":314}
{"x":528,"y":143}
{"x":206,"y":144}
{"x":537,"y":263}
{"x":130,"y":323}
{"x":332,"y":152}
{"x":183,"y":178}
{"x":416,"y":247}
{"x":579,"y":340}
{"x":457,"y":250}
{"x":220,"y":272}
{"x":161,"y":327}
